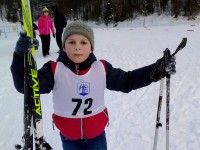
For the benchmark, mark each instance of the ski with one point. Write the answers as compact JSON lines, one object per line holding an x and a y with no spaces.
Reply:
{"x":33,"y":137}
{"x":158,"y":123}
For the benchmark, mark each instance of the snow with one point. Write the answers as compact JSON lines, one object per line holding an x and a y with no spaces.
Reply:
{"x":133,"y":115}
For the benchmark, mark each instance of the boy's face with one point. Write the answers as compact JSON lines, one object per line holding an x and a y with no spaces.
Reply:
{"x":77,"y":48}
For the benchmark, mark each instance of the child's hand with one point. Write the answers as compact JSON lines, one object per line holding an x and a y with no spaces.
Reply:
{"x":24,"y":44}
{"x":36,"y":43}
{"x":165,"y":65}
{"x":171,"y":67}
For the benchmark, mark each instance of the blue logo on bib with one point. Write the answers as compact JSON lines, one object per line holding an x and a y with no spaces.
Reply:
{"x":83,"y":88}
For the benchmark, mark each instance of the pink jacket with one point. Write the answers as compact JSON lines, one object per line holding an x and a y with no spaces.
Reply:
{"x":44,"y":25}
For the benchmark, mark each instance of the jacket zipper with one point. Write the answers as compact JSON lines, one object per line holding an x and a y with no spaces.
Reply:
{"x":82,"y":128}
{"x":77,"y":69}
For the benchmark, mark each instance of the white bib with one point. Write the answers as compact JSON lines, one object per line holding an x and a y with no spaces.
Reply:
{"x":79,"y":96}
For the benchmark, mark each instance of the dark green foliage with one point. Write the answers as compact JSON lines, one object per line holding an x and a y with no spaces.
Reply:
{"x":8,"y":10}
{"x":108,"y":14}
{"x":100,"y":11}
{"x":191,"y":9}
{"x":177,"y":7}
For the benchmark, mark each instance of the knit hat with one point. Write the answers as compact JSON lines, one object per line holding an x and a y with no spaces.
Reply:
{"x":79,"y":27}
{"x":45,"y":9}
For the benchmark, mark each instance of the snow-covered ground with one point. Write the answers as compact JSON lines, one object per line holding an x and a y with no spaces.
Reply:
{"x":133,"y":115}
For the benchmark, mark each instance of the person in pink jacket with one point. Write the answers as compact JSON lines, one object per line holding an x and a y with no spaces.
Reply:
{"x":44,"y":26}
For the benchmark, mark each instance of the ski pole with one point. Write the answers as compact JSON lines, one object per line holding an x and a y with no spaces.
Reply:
{"x":167,"y":109}
{"x":158,"y":124}
{"x":168,"y":76}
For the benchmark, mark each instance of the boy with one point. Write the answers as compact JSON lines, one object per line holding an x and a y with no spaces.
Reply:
{"x":77,"y":81}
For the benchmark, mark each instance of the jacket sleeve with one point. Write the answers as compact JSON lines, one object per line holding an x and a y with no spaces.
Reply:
{"x":40,"y":25}
{"x":35,"y":27}
{"x":46,"y":78}
{"x":119,"y":80}
{"x":64,"y":21}
{"x":51,"y":26}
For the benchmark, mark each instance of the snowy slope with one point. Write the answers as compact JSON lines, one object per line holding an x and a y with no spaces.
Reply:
{"x":132,"y":115}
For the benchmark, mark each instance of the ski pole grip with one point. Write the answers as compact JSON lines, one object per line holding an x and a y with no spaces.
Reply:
{"x":181,"y":46}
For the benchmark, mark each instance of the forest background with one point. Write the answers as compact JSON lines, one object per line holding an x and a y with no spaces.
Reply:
{"x":104,"y":11}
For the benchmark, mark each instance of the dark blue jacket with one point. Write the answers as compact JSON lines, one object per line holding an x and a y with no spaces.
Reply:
{"x":116,"y":79}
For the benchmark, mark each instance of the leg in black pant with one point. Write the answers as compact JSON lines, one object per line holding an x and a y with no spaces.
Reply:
{"x":45,"y":44}
{"x":59,"y":39}
{"x":48,"y":39}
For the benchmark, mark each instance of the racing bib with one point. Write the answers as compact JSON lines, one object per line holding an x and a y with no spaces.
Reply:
{"x":79,"y":96}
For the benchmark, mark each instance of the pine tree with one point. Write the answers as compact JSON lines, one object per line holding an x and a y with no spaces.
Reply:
{"x":108,"y":14}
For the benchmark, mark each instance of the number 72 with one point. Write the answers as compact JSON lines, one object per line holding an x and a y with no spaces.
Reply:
{"x":87,"y":102}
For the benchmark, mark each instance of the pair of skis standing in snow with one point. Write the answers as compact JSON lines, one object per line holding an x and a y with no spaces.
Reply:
{"x":33,"y":137}
{"x":33,"y":132}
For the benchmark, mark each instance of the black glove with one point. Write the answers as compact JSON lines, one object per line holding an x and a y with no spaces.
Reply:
{"x":163,"y":66}
{"x":54,"y":35}
{"x":36,"y":43}
{"x":23,"y":45}
{"x":171,"y":66}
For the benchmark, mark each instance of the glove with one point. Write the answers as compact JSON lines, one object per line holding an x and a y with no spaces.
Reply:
{"x":164,"y":66}
{"x":36,"y":43}
{"x":23,"y":45}
{"x":54,"y":35}
{"x":171,"y":66}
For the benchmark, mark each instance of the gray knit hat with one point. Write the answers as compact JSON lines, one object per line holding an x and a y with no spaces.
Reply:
{"x":79,"y":27}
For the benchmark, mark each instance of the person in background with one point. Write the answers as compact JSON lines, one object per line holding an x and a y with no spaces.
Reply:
{"x":44,"y":26}
{"x":60,"y":23}
{"x":78,"y":81}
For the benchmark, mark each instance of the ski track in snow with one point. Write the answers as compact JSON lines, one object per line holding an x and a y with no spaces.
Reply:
{"x":133,"y":115}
